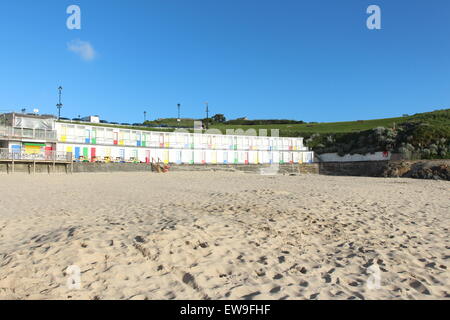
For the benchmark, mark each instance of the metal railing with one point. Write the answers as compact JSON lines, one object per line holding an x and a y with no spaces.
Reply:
{"x":39,"y":134}
{"x":45,"y":155}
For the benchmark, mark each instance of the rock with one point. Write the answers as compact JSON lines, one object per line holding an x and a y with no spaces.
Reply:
{"x":423,"y":169}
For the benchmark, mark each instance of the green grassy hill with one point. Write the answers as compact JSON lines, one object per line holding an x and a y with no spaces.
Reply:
{"x":420,"y":136}
{"x":330,"y":127}
{"x":423,"y":135}
{"x":172,"y":122}
{"x":440,"y":117}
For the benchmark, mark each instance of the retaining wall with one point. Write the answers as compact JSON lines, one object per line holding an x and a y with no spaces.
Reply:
{"x":129,"y":167}
{"x":357,"y":168}
{"x":334,"y":157}
{"x":306,"y":168}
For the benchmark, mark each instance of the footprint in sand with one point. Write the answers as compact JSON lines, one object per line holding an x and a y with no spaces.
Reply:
{"x":251,"y":295}
{"x":419,"y":287}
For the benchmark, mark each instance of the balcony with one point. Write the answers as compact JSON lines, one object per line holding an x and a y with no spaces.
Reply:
{"x":41,"y":156}
{"x":7,"y":132}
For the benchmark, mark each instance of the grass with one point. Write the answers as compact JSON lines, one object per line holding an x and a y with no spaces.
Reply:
{"x":331,"y":127}
{"x":294,"y":130}
{"x":440,"y":118}
{"x":172,"y":122}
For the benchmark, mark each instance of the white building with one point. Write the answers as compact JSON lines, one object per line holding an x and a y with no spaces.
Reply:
{"x":92,"y":119}
{"x":96,"y":142}
{"x":28,"y":133}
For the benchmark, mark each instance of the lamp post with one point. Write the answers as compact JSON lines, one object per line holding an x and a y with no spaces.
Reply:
{"x":145,"y":116}
{"x":59,"y":105}
{"x":207,"y":115}
{"x":178,"y":119}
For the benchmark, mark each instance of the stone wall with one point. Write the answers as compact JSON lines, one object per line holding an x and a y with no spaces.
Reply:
{"x":251,"y":168}
{"x":426,"y":169}
{"x":359,"y":168}
{"x":376,"y":156}
{"x":419,"y":169}
{"x":110,"y":167}
{"x":306,"y":168}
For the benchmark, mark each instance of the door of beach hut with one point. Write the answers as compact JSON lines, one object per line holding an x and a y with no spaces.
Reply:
{"x":203,"y":157}
{"x":276,"y":157}
{"x":94,"y":136}
{"x":295,"y":157}
{"x":86,"y":153}
{"x":108,"y":153}
{"x":87,"y":136}
{"x":213,"y":156}
{"x":179,"y":156}
{"x":48,"y":151}
{"x":192,"y":156}
{"x":93,"y":154}
{"x":161,"y":140}
{"x":16,"y":150}
{"x":166,"y":156}
{"x":63,"y":135}
{"x":77,"y":153}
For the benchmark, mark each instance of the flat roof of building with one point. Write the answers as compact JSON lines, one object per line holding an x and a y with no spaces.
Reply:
{"x":30,"y":115}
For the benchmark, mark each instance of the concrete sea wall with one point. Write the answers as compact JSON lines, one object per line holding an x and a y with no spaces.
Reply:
{"x":424,"y":169}
{"x":334,"y":157}
{"x":357,"y":168}
{"x":129,"y":167}
{"x":79,"y":167}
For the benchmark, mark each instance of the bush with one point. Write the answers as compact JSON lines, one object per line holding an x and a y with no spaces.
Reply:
{"x":262,"y":122}
{"x":412,"y":139}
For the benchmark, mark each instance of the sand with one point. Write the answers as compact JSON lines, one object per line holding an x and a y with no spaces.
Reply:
{"x":223,"y":235}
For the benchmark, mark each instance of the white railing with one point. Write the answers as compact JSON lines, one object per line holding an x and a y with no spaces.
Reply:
{"x":39,"y":134}
{"x":45,"y":155}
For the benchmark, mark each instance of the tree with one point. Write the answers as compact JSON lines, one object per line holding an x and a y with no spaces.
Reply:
{"x":219,"y":118}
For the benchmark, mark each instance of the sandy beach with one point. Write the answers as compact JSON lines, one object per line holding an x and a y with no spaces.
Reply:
{"x":223,"y":235}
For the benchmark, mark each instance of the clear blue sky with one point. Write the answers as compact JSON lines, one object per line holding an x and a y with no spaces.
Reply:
{"x":309,"y":60}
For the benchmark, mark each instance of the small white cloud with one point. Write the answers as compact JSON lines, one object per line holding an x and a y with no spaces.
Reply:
{"x":83,"y":48}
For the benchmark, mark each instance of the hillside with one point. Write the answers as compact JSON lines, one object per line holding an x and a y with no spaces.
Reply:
{"x":419,"y":136}
{"x":310,"y":128}
{"x":437,"y":118}
{"x":172,"y":122}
